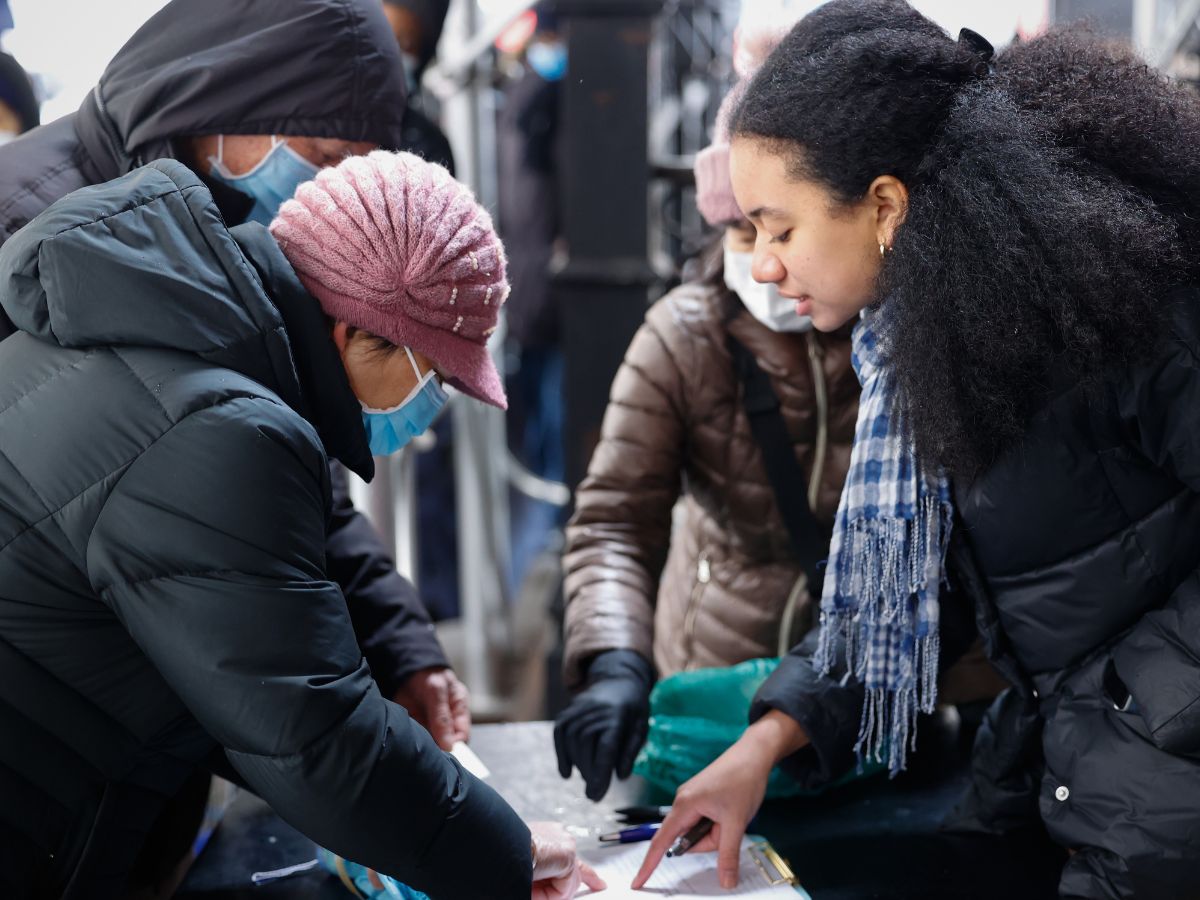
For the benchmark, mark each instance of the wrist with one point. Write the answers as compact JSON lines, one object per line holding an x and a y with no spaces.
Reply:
{"x":775,"y":737}
{"x":628,"y":665}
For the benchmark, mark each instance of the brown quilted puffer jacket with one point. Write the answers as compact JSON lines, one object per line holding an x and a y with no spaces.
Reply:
{"x":713,"y":589}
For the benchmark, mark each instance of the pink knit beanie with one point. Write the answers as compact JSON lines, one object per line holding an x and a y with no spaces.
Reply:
{"x":714,"y":187}
{"x":753,"y":43}
{"x":393,"y":245}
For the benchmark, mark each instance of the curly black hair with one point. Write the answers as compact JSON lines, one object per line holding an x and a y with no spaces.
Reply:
{"x":1053,"y":198}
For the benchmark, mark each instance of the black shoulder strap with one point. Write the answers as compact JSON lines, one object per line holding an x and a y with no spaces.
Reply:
{"x":809,"y":541}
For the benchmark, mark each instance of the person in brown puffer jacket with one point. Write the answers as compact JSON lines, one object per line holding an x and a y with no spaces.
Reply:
{"x":717,"y":582}
{"x":730,"y":580}
{"x":713,"y":580}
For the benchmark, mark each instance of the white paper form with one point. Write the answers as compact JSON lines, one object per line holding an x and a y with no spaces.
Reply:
{"x":682,"y":877}
{"x":470,"y":761}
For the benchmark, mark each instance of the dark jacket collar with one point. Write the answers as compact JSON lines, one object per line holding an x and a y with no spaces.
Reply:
{"x":161,"y":269}
{"x":233,"y":204}
{"x":326,"y":399}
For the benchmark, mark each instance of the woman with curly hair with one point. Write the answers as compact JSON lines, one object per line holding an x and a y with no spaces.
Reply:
{"x":1017,"y":239}
{"x":678,"y":556}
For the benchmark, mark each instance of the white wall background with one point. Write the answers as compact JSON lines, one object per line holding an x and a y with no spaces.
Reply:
{"x":996,"y":20}
{"x":69,"y":42}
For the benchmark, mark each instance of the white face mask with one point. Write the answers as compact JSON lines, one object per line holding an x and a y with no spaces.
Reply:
{"x":6,"y":136}
{"x":762,"y":300}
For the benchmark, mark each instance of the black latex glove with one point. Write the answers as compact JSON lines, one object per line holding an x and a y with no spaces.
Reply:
{"x":604,"y":727}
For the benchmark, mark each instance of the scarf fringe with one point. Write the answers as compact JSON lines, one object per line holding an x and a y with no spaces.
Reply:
{"x":888,"y":572}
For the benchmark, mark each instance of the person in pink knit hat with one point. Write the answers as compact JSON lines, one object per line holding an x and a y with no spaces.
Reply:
{"x":410,"y":274}
{"x":409,"y":270}
{"x":734,"y":581}
{"x":193,"y":383}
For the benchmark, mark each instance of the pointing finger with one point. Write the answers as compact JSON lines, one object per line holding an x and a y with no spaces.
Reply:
{"x":729,"y":856}
{"x":675,"y":824}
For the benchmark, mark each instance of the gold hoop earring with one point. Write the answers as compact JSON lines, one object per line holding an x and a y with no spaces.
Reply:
{"x":882,"y":250}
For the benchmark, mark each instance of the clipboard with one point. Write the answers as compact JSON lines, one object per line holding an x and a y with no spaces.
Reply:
{"x":763,"y":873}
{"x":775,"y":869}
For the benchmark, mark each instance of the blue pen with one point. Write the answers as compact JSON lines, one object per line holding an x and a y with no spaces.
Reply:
{"x":632,"y":835}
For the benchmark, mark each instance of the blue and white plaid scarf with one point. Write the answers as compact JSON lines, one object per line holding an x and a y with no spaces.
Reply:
{"x":885,"y":566}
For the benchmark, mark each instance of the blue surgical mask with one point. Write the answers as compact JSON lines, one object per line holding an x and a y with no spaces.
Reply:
{"x":548,"y":59}
{"x":271,"y":182}
{"x":389,"y":430}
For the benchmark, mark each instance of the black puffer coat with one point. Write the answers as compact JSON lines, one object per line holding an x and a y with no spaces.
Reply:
{"x":319,"y":68}
{"x":1080,"y":550}
{"x":166,"y":411}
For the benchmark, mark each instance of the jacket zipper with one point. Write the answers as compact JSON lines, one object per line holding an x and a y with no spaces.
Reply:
{"x":703,"y":577}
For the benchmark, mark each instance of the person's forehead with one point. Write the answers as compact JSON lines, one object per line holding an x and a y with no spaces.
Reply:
{"x":405,"y":24}
{"x":763,"y":183}
{"x":756,"y":154}
{"x":752,"y":165}
{"x":342,"y":143}
{"x":9,"y":120}
{"x":333,"y":146}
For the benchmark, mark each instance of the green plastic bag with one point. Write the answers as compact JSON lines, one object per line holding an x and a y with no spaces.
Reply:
{"x":696,"y":716}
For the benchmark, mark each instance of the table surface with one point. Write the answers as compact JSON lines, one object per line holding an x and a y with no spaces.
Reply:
{"x":873,"y":839}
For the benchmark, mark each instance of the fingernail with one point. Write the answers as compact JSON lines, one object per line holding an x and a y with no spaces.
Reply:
{"x":727,"y":881}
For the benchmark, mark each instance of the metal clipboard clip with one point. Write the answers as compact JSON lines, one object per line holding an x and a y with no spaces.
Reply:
{"x":774,"y":867}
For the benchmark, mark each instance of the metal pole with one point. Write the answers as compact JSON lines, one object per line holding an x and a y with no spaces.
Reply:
{"x":603,"y":288}
{"x":403,"y":473}
{"x":389,"y":503}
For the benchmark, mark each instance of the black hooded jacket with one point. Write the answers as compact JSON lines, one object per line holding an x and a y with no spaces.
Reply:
{"x":1076,"y":554}
{"x":318,"y":68}
{"x":166,"y":411}
{"x":311,"y":68}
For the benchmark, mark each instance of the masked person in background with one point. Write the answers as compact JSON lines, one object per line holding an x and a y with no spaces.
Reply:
{"x":170,"y":402}
{"x":528,"y":151}
{"x":255,"y":98}
{"x":418,"y":25}
{"x":18,"y":104}
{"x":728,"y":584}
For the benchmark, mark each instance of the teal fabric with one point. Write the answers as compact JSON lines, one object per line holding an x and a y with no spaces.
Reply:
{"x":696,"y":716}
{"x":361,"y":877}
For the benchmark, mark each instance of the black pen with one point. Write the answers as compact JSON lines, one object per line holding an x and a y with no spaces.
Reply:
{"x":637,"y":815}
{"x":694,"y":835}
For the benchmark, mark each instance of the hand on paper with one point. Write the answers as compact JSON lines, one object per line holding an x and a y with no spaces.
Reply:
{"x":729,"y":792}
{"x":558,"y":872}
